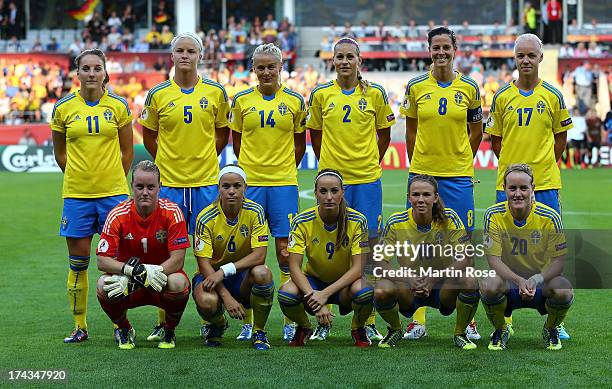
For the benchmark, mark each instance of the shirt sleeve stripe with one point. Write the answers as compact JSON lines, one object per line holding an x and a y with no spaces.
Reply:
{"x":213,"y":83}
{"x":154,"y":90}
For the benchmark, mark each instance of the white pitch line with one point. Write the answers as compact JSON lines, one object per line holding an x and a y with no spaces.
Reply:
{"x":309,"y":195}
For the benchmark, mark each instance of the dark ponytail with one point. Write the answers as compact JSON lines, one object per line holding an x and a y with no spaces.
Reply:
{"x":437,"y":211}
{"x":342,"y":218}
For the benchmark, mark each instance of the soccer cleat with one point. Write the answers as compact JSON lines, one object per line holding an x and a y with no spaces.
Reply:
{"x":214,"y":335}
{"x":260,"y":341}
{"x":510,"y":329}
{"x":373,"y":333}
{"x":463,"y":342}
{"x":551,"y":338}
{"x":563,"y":335}
{"x":157,"y":334}
{"x":300,"y":336}
{"x":472,"y":331}
{"x":125,"y":338}
{"x":289,"y":331}
{"x":246,"y":333}
{"x":415,"y":330}
{"x":320,"y":333}
{"x":361,"y":338}
{"x":77,"y":336}
{"x":168,"y":340}
{"x":392,"y":339}
{"x":499,"y":339}
{"x":204,"y":330}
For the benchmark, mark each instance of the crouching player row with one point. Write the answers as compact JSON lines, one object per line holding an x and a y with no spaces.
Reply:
{"x":141,"y":251}
{"x":526,"y":246}
{"x":430,"y":276}
{"x":334,"y":238}
{"x":231,"y":241}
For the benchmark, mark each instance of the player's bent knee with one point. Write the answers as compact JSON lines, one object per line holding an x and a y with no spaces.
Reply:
{"x":385,"y":291}
{"x":493,"y":286}
{"x":289,"y":287}
{"x":177,"y":282}
{"x":205,"y":300}
{"x":261,"y":275}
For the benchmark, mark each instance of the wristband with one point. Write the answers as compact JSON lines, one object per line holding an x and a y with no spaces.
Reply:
{"x":538,"y":278}
{"x":127,"y":269}
{"x":229,"y":269}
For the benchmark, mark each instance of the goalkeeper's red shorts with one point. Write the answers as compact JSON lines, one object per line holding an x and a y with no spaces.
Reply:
{"x":148,"y":296}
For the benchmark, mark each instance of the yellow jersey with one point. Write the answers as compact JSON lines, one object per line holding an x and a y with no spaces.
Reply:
{"x":442,"y":146}
{"x":526,"y":247}
{"x":267,"y":125}
{"x":186,"y":121}
{"x":225,"y":241}
{"x":349,"y":121}
{"x":93,"y":167}
{"x":326,"y":262}
{"x":527,"y":123}
{"x":431,"y":246}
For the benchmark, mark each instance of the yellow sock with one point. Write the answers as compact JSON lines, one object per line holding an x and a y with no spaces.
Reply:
{"x":467,"y":304}
{"x":495,"y":309}
{"x":161,"y":316}
{"x":372,"y":318}
{"x":284,"y":277}
{"x":391,"y":315}
{"x":248,"y":316}
{"x":556,"y":312}
{"x":261,"y":303}
{"x":419,"y":315}
{"x":293,"y":308}
{"x":508,"y":320}
{"x":363,"y":303}
{"x":77,"y":286}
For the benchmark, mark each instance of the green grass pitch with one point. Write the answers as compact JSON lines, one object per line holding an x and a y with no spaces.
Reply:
{"x":35,"y":316}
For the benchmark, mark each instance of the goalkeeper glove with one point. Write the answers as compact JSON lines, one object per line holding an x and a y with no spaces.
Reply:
{"x":146,"y":275}
{"x":119,"y":286}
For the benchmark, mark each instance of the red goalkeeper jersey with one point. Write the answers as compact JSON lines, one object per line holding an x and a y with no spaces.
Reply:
{"x":126,"y":234}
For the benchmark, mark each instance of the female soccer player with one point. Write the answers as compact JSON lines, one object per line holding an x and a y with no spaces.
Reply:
{"x":185,"y":128}
{"x":269,"y":142}
{"x":92,"y":141}
{"x":230,"y":245}
{"x":439,"y":106}
{"x":349,"y":121}
{"x":526,"y":246}
{"x":432,"y":229}
{"x":334,"y":238}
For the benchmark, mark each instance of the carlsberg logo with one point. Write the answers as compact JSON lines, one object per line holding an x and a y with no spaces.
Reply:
{"x":28,"y":159}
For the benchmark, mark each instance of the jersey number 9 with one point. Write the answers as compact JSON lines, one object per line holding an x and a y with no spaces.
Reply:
{"x":329,"y":247}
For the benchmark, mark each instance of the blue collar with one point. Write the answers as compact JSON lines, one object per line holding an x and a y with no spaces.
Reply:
{"x":525,"y":93}
{"x":348,"y":92}
{"x":330,"y":228}
{"x":92,"y":103}
{"x":187,"y":91}
{"x":268,"y":98}
{"x":519,"y":223}
{"x":424,"y":228}
{"x":444,"y":84}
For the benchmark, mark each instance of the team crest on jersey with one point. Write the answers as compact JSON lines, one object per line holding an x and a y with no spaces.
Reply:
{"x":315,"y":241}
{"x":363,"y":104}
{"x":108,"y":115}
{"x":282,"y":108}
{"x":171,"y":104}
{"x":331,"y":105}
{"x":244,"y":230}
{"x":535,"y":237}
{"x":541,"y":107}
{"x":458,"y":98}
{"x":203,"y":103}
{"x":144,"y":114}
{"x":161,"y":236}
{"x":427,"y":97}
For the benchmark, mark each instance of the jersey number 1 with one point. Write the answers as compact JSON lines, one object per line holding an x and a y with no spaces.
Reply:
{"x":93,"y":127}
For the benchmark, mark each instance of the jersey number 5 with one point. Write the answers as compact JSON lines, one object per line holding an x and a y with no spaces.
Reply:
{"x":187,"y":115}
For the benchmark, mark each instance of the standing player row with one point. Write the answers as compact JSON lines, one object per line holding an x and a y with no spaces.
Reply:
{"x":186,"y":125}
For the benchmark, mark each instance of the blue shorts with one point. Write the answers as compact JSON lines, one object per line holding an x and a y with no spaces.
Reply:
{"x":514,"y":300}
{"x":85,"y":217}
{"x":457,"y":194}
{"x":549,"y":197}
{"x":280,"y":203}
{"x":191,"y":201}
{"x":317,"y":284}
{"x":232,"y":284}
{"x":433,"y":300}
{"x":367,"y":199}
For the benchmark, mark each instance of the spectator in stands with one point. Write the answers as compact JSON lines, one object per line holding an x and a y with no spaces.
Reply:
{"x":14,"y":116}
{"x":490,"y":87}
{"x":594,"y":50}
{"x":96,"y":27}
{"x":396,"y":30}
{"x":142,"y":46}
{"x":361,"y":31}
{"x":566,"y":51}
{"x":75,"y":48}
{"x":37,"y":46}
{"x":27,"y":139}
{"x":573,"y":28}
{"x":608,"y":126}
{"x":138,"y":65}
{"x":577,"y":140}
{"x":311,"y":77}
{"x":430,"y":26}
{"x":581,"y":51}
{"x":113,"y":21}
{"x":114,"y":38}
{"x":466,"y":61}
{"x":5,"y":105}
{"x":465,"y":28}
{"x":284,"y":24}
{"x":155,"y":43}
{"x":412,"y":31}
{"x":166,"y":37}
{"x":53,"y":46}
{"x":593,"y":26}
{"x":380,"y":30}
{"x":127,"y":39}
{"x":152,"y":34}
{"x":529,"y":18}
{"x":13,"y":46}
{"x":241,"y":73}
{"x":128,"y":19}
{"x":594,"y":125}
{"x":12,"y":20}
{"x":348,"y":30}
{"x":554,"y":13}
{"x":270,"y":23}
{"x":544,"y":27}
{"x":160,"y":65}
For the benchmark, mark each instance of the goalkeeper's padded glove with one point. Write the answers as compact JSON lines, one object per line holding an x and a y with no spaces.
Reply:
{"x":147,"y":275}
{"x":117,"y":286}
